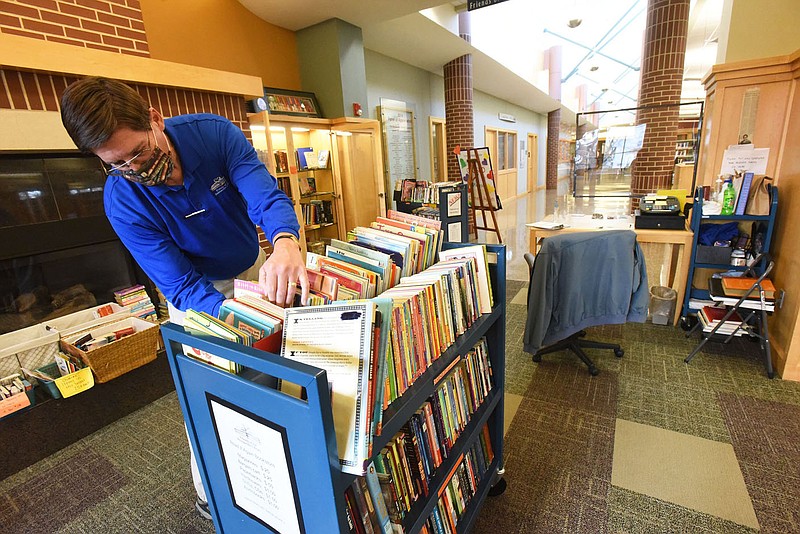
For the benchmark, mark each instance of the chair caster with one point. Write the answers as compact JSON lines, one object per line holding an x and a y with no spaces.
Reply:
{"x":594,"y":371}
{"x":537,"y":358}
{"x":498,"y":488}
{"x":619,"y":353}
{"x":686,"y":324}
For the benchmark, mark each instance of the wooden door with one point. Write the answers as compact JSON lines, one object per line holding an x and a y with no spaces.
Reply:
{"x":533,"y":162}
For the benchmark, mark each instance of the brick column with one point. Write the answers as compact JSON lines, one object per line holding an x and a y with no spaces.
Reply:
{"x":458,"y":109}
{"x":661,"y":76}
{"x":553,"y":133}
{"x":554,"y":117}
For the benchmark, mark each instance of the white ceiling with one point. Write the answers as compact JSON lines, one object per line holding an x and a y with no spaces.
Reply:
{"x":509,"y":39}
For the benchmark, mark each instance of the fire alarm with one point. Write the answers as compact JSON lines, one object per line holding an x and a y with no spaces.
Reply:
{"x":357,"y":111}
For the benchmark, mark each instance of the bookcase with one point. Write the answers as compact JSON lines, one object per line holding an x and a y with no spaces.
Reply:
{"x":307,"y":491}
{"x":707,"y":258}
{"x":340,"y":190}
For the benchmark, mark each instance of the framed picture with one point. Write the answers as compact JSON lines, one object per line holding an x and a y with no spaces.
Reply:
{"x":295,"y":103}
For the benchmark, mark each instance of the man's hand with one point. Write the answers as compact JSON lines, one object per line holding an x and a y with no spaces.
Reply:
{"x":283,"y":272}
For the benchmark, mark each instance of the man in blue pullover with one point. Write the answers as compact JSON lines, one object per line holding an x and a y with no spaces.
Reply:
{"x":184,"y":195}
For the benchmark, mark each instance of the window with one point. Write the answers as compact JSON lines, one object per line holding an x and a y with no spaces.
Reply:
{"x":506,"y":150}
{"x":438,"y":147}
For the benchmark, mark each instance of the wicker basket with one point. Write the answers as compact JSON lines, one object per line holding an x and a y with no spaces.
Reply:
{"x":123,"y":355}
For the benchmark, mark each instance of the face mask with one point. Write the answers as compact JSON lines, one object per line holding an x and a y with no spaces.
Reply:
{"x":155,"y":171}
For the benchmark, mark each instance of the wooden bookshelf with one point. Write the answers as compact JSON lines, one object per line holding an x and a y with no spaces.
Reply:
{"x":351,"y":181}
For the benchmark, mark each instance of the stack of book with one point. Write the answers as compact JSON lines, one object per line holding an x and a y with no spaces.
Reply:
{"x":738,"y":286}
{"x":247,"y":319}
{"x":711,"y":317}
{"x":402,"y":472}
{"x":422,"y":191}
{"x":394,"y":311}
{"x":318,"y":212}
{"x":137,"y":300}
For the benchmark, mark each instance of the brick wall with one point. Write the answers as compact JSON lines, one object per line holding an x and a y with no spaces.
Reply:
{"x":660,"y":85}
{"x":458,"y":110}
{"x":42,"y":91}
{"x":110,"y":25}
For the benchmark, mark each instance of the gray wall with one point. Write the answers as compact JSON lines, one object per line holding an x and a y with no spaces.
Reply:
{"x":424,"y":92}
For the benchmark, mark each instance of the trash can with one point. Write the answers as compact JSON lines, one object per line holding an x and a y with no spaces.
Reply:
{"x":662,"y":304}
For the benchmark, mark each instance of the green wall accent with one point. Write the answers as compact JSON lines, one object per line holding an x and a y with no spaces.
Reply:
{"x":331,"y":56}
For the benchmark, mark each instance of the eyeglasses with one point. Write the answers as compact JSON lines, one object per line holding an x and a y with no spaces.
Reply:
{"x":116,"y":169}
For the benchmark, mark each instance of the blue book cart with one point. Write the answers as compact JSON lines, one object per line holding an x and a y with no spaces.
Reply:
{"x":269,"y":461}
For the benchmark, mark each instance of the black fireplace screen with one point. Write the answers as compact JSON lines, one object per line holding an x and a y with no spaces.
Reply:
{"x":59,"y":253}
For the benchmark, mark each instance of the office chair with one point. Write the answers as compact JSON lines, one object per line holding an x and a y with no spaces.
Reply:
{"x":583,"y":279}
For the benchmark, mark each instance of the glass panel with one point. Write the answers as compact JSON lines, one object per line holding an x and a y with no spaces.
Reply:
{"x":25,"y":193}
{"x":512,"y":151}
{"x":77,"y":186}
{"x":44,"y":286}
{"x":501,"y":151}
{"x":615,"y":150}
{"x":436,"y":142}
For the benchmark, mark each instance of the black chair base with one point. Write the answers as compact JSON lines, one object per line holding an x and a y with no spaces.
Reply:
{"x":576,"y":344}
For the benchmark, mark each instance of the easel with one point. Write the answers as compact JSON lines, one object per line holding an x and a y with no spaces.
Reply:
{"x":484,"y":202}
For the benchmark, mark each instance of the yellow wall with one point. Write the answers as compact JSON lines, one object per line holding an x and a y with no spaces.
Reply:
{"x":762,"y":28}
{"x":221,"y":34}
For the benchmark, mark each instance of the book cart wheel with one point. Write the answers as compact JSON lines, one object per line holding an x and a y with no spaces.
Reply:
{"x":687,"y":323}
{"x":498,"y":488}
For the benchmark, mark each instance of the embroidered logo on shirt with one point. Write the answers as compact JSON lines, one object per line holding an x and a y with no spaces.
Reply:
{"x":219,"y":185}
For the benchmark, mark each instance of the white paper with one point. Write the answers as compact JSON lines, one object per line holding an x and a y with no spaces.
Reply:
{"x":744,"y":160}
{"x":546,"y":225}
{"x":338,"y":339}
{"x":453,"y":204}
{"x":255,"y":459}
{"x":454,"y":232}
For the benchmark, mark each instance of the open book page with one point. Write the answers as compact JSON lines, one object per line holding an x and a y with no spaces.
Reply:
{"x":338,"y":339}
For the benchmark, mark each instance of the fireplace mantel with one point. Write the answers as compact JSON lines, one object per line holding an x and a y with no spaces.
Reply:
{"x":34,"y":54}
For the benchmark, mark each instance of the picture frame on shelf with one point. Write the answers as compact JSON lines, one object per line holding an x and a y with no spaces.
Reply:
{"x":292,"y":103}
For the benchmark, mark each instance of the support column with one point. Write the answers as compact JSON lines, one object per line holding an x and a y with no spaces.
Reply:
{"x":554,"y":117}
{"x":458,"y":108}
{"x":661,"y":78}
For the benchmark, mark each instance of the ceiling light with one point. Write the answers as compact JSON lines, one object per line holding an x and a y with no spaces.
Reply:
{"x":574,"y":23}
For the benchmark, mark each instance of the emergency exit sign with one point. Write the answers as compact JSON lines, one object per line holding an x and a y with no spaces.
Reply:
{"x":477,"y":4}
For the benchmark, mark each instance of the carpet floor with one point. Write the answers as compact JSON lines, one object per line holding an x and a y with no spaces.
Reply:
{"x":133,"y":475}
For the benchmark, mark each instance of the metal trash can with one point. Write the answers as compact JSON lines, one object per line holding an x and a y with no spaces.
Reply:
{"x":662,"y":304}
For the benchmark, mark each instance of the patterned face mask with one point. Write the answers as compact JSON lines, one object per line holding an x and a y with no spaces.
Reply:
{"x":155,"y":171}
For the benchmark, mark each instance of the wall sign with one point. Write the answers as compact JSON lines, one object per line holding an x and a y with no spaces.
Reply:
{"x":477,"y":4}
{"x":506,"y":117}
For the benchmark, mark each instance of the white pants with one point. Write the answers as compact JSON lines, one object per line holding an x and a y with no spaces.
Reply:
{"x":176,"y":316}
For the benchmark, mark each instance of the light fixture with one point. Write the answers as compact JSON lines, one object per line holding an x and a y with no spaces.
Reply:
{"x":258,"y":127}
{"x":298,"y":129}
{"x":342,"y":134}
{"x":574,"y":23}
{"x":277,"y":129}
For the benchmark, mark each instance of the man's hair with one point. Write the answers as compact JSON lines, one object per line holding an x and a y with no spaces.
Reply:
{"x":93,"y":108}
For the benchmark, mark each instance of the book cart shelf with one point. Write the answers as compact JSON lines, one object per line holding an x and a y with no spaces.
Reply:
{"x":696,"y":263}
{"x":221,"y":408}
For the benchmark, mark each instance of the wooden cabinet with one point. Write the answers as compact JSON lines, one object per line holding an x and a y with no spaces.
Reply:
{"x":331,"y":168}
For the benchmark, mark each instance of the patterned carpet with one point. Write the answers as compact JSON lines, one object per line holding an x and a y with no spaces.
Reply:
{"x":559,"y":447}
{"x":133,"y":475}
